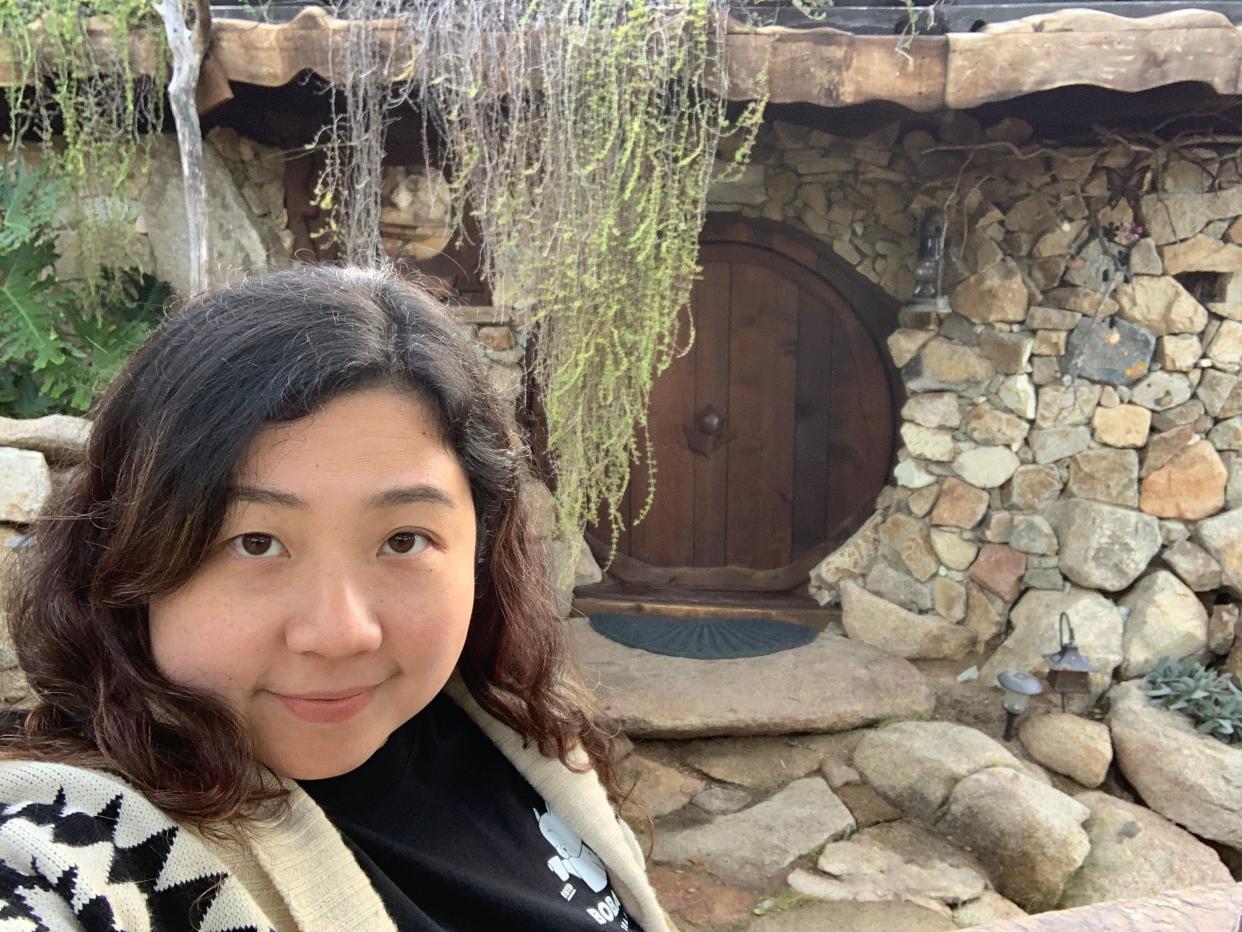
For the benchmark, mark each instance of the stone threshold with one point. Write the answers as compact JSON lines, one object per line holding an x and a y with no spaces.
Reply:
{"x":832,"y":684}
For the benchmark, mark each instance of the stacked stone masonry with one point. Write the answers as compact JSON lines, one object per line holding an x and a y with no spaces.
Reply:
{"x":1072,"y":434}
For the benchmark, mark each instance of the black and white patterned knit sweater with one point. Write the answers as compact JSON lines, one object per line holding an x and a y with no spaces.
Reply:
{"x":82,"y":850}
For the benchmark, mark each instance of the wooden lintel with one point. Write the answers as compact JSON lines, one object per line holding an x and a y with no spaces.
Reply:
{"x":1129,"y":60}
{"x":835,"y":69}
{"x":821,"y":65}
{"x":272,"y":54}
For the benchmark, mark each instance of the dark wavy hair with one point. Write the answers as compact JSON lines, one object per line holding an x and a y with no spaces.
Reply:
{"x":137,"y":517}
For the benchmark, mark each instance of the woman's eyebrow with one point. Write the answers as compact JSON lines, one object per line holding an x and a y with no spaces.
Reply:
{"x":401,"y":495}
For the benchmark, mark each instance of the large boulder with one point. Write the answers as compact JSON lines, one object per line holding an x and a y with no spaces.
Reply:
{"x":851,"y":560}
{"x":999,"y":569}
{"x":1166,"y":619}
{"x":1035,"y":621}
{"x":1192,"y":779}
{"x":997,"y":293}
{"x":1193,"y":564}
{"x":1136,"y":852}
{"x":893,"y":861}
{"x":959,"y":504}
{"x":844,"y":916}
{"x":754,"y":845}
{"x":1105,"y":475}
{"x":236,"y":240}
{"x":1161,"y":391}
{"x":759,"y":763}
{"x":660,"y":789}
{"x":651,"y":695}
{"x":1077,"y":747}
{"x":893,"y":629}
{"x":59,"y":437}
{"x":26,"y":484}
{"x":1191,"y":486}
{"x":1161,"y":305}
{"x":905,"y":541}
{"x":1177,"y":216}
{"x":1067,"y":405}
{"x":989,"y":908}
{"x":1221,"y":536}
{"x":1125,"y":426}
{"x":1104,"y":350}
{"x":944,"y":365}
{"x":1103,"y":546}
{"x":986,"y":467}
{"x":916,"y":765}
{"x":1027,"y":834}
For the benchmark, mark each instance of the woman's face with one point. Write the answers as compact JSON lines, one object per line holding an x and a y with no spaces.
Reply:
{"x":335,"y":603}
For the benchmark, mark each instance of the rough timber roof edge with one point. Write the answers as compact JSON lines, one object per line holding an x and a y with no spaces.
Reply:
{"x":832,"y":68}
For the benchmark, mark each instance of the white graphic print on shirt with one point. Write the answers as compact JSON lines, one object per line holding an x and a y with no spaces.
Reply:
{"x":572,"y":855}
{"x":574,"y":859}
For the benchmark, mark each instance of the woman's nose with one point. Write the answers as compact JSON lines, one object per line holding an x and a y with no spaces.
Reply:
{"x":335,"y":619}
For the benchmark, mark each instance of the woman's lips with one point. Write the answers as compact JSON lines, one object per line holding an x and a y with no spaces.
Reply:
{"x":324,"y":711}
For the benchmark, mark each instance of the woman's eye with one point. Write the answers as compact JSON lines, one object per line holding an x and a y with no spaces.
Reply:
{"x":257,"y":545}
{"x":404,"y":543}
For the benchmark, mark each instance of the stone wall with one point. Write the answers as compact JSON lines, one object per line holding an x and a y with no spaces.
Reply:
{"x":1071,"y":436}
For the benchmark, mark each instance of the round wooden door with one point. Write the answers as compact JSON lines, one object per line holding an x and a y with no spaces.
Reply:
{"x":772,"y":436}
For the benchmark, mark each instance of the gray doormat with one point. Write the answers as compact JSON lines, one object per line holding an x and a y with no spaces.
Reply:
{"x":703,"y":638}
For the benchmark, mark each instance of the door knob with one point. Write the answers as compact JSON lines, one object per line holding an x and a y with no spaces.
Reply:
{"x":710,"y":421}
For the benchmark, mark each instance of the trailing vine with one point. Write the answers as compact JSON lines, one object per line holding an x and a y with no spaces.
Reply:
{"x":582,"y":137}
{"x":75,"y":92}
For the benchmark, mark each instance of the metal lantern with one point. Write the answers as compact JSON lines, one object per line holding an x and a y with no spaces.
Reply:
{"x":1019,"y":686}
{"x":928,"y":293}
{"x":1068,"y":670}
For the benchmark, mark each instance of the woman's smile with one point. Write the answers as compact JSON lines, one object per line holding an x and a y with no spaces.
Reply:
{"x":328,"y":709}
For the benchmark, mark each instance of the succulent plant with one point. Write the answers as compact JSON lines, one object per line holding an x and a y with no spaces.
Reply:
{"x":1209,"y":699}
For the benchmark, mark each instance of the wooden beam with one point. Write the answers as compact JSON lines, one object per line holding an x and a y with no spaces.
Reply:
{"x":1125,"y":60}
{"x":823,"y":66}
{"x":835,"y":69}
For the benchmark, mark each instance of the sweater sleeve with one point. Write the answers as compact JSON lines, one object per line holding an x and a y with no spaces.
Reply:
{"x":631,"y":840}
{"x":46,"y":883}
{"x":83,"y":851}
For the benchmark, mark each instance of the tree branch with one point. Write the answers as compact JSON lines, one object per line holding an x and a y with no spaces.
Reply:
{"x":188,"y":48}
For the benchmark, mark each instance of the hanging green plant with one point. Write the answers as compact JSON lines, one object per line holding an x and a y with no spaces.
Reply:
{"x":582,"y":136}
{"x":85,"y":87}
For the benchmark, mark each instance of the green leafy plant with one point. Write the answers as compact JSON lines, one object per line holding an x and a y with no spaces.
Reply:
{"x":1209,"y":699}
{"x":59,"y":341}
{"x":85,"y":92}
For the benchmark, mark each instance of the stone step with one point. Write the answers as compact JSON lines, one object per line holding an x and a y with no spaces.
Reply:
{"x":831,"y":684}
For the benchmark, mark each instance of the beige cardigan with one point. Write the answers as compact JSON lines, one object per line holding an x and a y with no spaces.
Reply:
{"x":296,"y":874}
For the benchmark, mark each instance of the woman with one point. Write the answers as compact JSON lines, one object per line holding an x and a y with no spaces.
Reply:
{"x":294,"y":660}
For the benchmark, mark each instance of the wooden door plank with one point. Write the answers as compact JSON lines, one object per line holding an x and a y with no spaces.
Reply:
{"x":860,"y":430}
{"x":816,"y":382}
{"x":711,"y":387}
{"x":762,"y":359}
{"x":665,"y":537}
